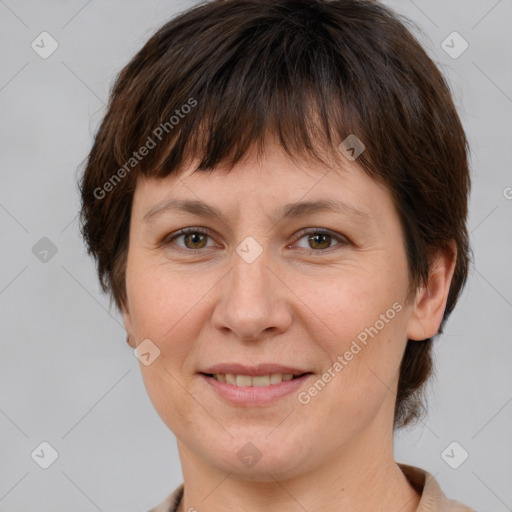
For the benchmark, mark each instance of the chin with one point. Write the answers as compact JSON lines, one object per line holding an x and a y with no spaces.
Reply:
{"x":259,"y":457}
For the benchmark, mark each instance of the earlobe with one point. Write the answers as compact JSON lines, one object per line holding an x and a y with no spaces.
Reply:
{"x":128,"y":326}
{"x":430,"y":303}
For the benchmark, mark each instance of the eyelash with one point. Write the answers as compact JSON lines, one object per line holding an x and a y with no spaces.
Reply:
{"x":316,"y":231}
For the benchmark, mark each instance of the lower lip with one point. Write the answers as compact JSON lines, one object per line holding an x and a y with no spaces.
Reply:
{"x":255,"y":395}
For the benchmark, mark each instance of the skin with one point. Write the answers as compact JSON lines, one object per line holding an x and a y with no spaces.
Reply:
{"x":289,"y":307}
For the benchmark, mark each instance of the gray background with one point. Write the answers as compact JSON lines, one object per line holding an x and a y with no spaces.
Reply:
{"x":66,"y":374}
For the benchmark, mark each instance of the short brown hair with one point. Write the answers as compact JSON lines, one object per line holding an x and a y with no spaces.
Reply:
{"x":311,"y":72}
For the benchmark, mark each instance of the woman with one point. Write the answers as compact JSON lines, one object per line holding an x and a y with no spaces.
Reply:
{"x":277,"y":200}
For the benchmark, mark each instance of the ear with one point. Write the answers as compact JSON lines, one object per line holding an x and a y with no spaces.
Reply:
{"x":430,"y":303}
{"x":128,"y":326}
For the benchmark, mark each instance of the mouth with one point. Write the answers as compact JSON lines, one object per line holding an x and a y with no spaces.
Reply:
{"x":262,"y":384}
{"x":241,"y":380}
{"x":257,"y":390}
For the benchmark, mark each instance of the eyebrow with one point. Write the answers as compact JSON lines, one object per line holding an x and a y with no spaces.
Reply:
{"x":290,"y":210}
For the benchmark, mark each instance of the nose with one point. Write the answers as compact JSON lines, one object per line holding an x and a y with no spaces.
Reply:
{"x":252,"y":302}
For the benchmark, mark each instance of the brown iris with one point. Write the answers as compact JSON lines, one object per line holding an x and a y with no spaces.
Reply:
{"x":196,"y":239}
{"x":320,"y":236}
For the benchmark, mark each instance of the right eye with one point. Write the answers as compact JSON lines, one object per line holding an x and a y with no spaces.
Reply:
{"x":191,"y":236}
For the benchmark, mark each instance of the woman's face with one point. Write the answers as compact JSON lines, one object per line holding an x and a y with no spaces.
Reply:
{"x":304,"y":291}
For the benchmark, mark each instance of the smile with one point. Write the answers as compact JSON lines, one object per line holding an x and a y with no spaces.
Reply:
{"x":256,"y":381}
{"x":255,"y":390}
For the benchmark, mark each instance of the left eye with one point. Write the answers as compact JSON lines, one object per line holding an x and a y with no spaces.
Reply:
{"x":195,"y":239}
{"x":321,"y":238}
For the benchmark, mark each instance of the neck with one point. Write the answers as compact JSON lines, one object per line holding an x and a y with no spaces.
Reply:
{"x":356,"y":479}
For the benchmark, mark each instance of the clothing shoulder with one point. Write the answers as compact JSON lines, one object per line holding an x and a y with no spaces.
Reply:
{"x":432,"y":498}
{"x":171,"y":502}
{"x":456,"y":506}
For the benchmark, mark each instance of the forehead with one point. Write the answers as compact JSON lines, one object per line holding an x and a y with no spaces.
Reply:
{"x":272,"y":182}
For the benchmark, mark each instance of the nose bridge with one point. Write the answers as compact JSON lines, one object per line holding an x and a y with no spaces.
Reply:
{"x":249,"y":280}
{"x":251,"y":300}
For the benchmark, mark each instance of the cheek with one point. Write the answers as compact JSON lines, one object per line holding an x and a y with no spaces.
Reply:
{"x":352,"y":297}
{"x":363,"y":331}
{"x":162,"y":311}
{"x":167,"y":307}
{"x":159,"y":299}
{"x":358,"y":318}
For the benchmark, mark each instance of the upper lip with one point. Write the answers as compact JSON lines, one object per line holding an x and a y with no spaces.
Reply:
{"x":259,"y":369}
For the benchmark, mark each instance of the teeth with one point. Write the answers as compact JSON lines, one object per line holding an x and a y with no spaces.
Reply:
{"x":257,"y":381}
{"x":243,"y":380}
{"x":260,"y":380}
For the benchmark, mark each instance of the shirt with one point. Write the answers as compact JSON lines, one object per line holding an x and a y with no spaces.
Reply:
{"x":432,"y":497}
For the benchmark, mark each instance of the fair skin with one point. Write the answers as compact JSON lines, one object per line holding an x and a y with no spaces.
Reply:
{"x":201,"y":303}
